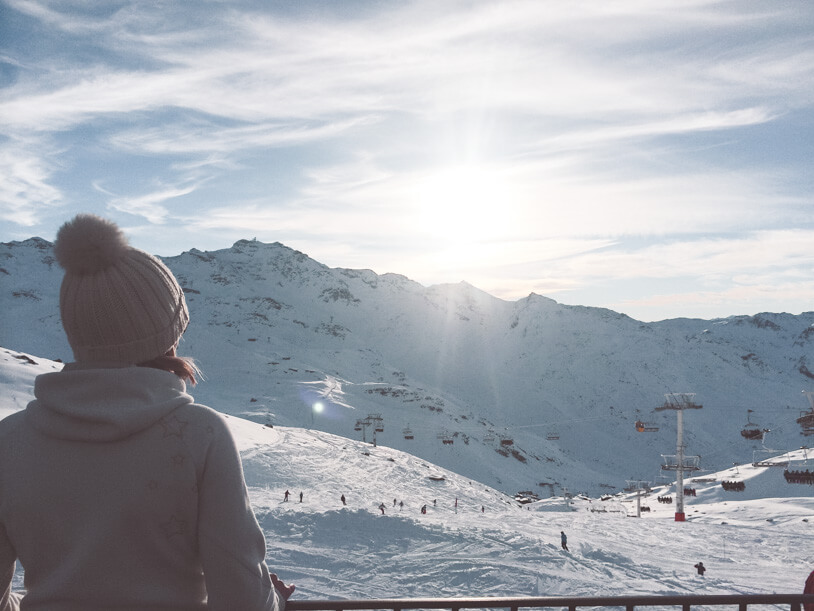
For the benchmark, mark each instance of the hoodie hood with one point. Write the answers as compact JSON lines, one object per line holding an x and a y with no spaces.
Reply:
{"x":86,"y":403}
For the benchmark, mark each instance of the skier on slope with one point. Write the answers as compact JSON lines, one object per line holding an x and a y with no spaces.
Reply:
{"x":564,"y":541}
{"x":126,"y":493}
{"x":700,"y":568}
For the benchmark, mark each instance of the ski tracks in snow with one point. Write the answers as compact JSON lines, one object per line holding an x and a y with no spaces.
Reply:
{"x":353,"y":551}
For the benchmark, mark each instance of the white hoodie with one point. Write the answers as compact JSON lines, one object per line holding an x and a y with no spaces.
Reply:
{"x":118,"y":492}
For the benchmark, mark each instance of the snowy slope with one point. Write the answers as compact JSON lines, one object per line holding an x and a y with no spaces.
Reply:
{"x":750,"y":544}
{"x":275,"y":332}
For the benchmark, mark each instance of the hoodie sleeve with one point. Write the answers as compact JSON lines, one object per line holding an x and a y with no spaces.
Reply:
{"x":8,"y":557}
{"x":231,"y":544}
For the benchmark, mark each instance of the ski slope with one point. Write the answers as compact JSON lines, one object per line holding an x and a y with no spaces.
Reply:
{"x":755,"y":541}
{"x":275,"y":331}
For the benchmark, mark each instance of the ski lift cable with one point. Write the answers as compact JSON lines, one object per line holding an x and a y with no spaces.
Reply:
{"x":557,"y":422}
{"x":494,"y":430}
{"x":476,"y":428}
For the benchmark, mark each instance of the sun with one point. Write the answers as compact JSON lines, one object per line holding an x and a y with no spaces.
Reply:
{"x":464,"y":206}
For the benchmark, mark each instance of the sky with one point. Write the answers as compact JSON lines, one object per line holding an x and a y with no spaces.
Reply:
{"x":648,"y":156}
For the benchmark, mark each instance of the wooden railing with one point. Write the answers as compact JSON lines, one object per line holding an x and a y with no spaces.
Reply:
{"x":685,"y":602}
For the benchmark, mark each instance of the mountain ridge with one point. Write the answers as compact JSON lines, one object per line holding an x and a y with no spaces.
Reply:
{"x":483,"y":384}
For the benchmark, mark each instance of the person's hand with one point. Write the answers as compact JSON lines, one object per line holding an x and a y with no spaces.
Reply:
{"x":284,"y":590}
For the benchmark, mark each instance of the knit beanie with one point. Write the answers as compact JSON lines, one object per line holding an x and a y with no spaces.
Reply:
{"x":118,"y":304}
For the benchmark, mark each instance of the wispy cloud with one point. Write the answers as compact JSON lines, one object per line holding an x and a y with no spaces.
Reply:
{"x":153,"y":205}
{"x":200,"y":137}
{"x":619,"y":131}
{"x":523,"y":145}
{"x":26,"y":189}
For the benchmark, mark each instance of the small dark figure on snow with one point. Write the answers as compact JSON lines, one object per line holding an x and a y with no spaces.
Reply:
{"x":564,"y":541}
{"x":394,"y":502}
{"x":382,"y":508}
{"x":700,"y":568}
{"x":300,"y":497}
{"x":423,"y":509}
{"x":285,"y":498}
{"x":482,"y":508}
{"x":342,"y":498}
{"x":401,"y":505}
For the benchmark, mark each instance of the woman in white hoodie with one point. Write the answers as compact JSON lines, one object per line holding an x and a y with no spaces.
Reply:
{"x":116,"y":489}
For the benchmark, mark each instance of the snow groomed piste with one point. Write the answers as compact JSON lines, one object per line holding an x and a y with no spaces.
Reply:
{"x":754,"y":541}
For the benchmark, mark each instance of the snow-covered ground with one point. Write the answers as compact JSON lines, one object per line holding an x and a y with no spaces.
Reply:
{"x":755,"y":541}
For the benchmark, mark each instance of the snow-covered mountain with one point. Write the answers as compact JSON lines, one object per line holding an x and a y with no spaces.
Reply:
{"x":475,"y":541}
{"x":527,"y":395}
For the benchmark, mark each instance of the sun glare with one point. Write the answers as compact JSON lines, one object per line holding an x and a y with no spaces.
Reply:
{"x":464,"y":205}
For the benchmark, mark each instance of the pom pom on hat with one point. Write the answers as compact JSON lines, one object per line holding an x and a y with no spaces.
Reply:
{"x":118,"y":304}
{"x":89,"y":244}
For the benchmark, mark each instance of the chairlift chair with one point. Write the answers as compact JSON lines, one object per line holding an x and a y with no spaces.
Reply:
{"x":408,"y":434}
{"x":446,"y":439}
{"x":766,"y":457}
{"x":806,"y":419}
{"x":688,"y":463}
{"x":798,"y":471}
{"x":751,"y":431}
{"x":806,"y":422}
{"x":645,"y":427}
{"x":804,"y":463}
